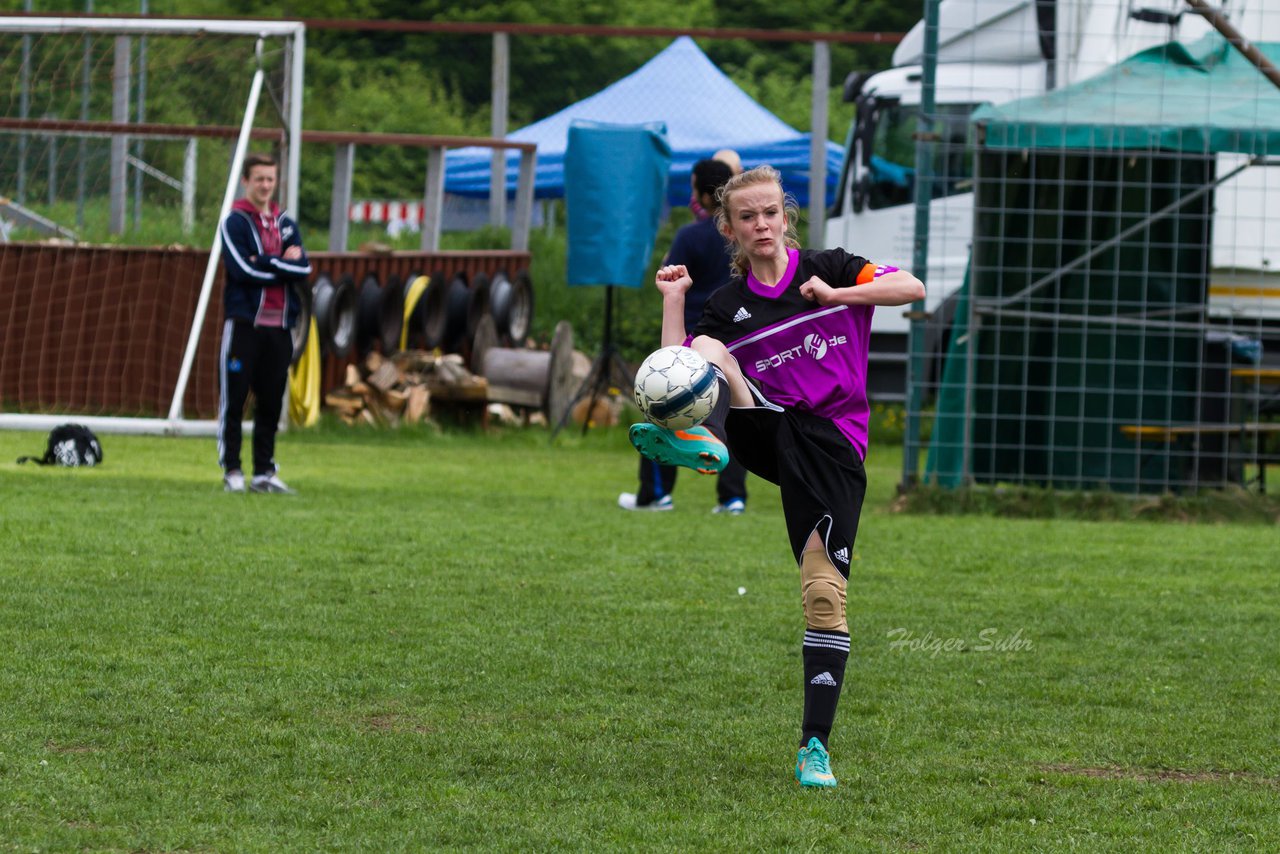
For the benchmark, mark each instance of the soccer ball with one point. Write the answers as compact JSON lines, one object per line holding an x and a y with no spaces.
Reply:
{"x":676,"y":388}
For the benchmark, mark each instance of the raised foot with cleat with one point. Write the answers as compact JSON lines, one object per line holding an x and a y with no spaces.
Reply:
{"x":694,"y":448}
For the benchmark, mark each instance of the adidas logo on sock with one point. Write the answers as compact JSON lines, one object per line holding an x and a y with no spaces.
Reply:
{"x":823,"y":678}
{"x":742,"y":315}
{"x":842,"y":555}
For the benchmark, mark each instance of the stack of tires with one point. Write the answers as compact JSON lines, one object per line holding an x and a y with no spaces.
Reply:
{"x":436,"y":311}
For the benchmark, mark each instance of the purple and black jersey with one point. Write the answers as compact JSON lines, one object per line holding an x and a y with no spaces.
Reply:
{"x":796,"y":353}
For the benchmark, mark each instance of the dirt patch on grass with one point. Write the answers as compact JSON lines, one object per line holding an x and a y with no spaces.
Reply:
{"x":1161,"y":775}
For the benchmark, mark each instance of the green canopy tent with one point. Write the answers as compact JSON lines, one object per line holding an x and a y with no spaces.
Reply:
{"x":1087,"y":291}
{"x":1201,"y":98}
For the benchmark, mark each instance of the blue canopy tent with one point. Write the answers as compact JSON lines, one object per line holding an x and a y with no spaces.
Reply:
{"x":703,"y":110}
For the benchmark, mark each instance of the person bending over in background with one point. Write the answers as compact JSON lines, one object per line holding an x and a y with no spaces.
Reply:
{"x":262,"y":254}
{"x":788,"y":338}
{"x":700,"y":248}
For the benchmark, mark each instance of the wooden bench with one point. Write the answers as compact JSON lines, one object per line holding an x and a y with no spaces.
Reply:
{"x":1250,"y":432}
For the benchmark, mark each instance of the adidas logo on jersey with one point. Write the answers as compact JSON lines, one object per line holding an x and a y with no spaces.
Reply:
{"x":842,"y":555}
{"x":823,"y":678}
{"x":742,"y":315}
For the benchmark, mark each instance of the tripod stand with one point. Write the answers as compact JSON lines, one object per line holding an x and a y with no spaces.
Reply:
{"x":607,"y":371}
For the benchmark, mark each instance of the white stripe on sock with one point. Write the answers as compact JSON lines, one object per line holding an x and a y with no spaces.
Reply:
{"x":826,"y":641}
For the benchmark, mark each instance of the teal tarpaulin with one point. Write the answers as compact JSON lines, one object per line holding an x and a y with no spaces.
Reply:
{"x":615,"y":178}
{"x":1199,"y":98}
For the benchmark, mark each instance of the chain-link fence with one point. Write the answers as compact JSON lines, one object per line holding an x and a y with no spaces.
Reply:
{"x":1104,"y":307}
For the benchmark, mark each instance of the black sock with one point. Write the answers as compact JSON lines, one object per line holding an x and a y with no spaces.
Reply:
{"x":825,"y":654}
{"x":715,"y":421}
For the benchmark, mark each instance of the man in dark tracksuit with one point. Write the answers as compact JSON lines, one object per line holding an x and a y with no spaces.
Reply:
{"x":262,"y":254}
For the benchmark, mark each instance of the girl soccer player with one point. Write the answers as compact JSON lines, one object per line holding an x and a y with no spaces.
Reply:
{"x":788,"y":337}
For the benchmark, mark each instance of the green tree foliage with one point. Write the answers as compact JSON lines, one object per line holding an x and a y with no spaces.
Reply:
{"x":549,"y":73}
{"x":552,"y":72}
{"x":401,"y":81}
{"x":378,"y":95}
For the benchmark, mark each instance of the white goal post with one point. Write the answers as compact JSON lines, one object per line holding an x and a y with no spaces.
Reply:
{"x":292,"y":35}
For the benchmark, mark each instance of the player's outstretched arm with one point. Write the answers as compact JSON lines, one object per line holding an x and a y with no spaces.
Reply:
{"x":673,"y":281}
{"x":895,"y":288}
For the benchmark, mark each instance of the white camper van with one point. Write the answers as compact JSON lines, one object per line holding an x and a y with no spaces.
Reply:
{"x":995,"y":51}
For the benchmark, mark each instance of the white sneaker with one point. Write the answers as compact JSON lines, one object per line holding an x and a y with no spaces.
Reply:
{"x":734,"y":507}
{"x":233,"y":481}
{"x":270,"y":483}
{"x":627,"y":501}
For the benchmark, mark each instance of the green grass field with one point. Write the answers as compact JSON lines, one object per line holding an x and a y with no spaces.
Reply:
{"x":453,"y":641}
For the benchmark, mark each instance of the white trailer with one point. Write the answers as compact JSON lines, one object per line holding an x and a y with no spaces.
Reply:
{"x":995,"y":51}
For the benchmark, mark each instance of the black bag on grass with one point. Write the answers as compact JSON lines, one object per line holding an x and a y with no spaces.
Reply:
{"x":70,"y":445}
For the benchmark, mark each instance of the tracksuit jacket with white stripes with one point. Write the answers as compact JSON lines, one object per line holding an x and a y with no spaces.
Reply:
{"x":257,"y":276}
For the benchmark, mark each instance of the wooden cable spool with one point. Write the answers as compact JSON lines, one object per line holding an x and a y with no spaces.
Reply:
{"x":539,"y":379}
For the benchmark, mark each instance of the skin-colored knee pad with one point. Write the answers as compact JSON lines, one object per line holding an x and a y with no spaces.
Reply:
{"x":823,"y":590}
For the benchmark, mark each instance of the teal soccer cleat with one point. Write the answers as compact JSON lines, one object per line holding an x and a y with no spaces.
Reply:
{"x":813,"y":766}
{"x":694,"y":448}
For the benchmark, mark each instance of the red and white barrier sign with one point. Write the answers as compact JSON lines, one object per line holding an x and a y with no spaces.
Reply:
{"x":385,"y":211}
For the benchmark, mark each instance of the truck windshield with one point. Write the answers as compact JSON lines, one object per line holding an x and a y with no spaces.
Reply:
{"x":893,"y":154}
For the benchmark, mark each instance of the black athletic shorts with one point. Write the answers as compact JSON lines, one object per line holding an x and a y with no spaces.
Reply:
{"x":816,"y":468}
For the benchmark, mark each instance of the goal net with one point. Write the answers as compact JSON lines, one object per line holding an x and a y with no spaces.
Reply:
{"x":120,"y":148}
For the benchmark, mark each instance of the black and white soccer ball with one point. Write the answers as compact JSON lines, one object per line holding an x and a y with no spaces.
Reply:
{"x":676,"y":388}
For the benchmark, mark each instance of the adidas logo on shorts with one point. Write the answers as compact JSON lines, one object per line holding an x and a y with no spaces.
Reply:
{"x":823,"y":678}
{"x":742,"y":315}
{"x":842,"y":555}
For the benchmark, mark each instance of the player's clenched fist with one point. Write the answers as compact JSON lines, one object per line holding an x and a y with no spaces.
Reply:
{"x":673,"y":279}
{"x":817,"y":290}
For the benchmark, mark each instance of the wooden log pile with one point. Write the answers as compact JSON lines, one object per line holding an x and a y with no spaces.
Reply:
{"x":388,"y":391}
{"x":507,"y":385}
